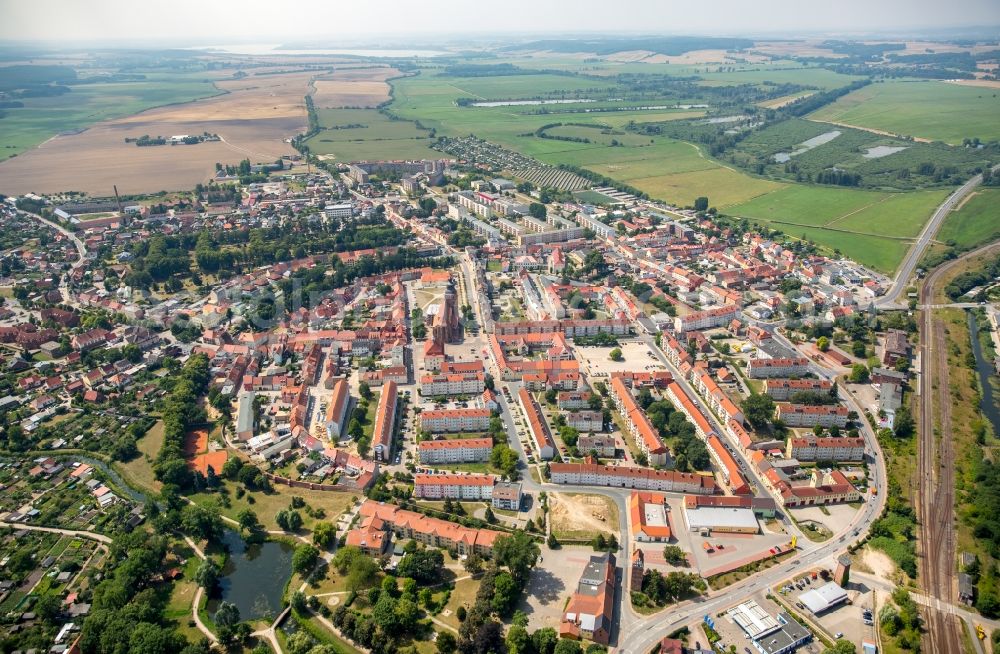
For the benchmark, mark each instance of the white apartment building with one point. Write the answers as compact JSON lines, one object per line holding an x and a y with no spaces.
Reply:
{"x":826,"y":449}
{"x":765,"y":368}
{"x":804,"y":415}
{"x":453,"y":487}
{"x":455,"y":420}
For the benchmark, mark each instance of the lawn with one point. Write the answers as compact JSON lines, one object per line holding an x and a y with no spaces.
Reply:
{"x":42,"y":118}
{"x":267,"y":505}
{"x":139,"y":471}
{"x":363,"y":134}
{"x":464,"y":594}
{"x":925,"y":109}
{"x":977,"y":222}
{"x":868,"y":226}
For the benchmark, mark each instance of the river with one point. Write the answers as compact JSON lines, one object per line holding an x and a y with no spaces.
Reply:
{"x":985,"y":370}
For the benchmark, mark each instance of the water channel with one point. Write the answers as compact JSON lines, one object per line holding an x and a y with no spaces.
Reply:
{"x":985,"y":369}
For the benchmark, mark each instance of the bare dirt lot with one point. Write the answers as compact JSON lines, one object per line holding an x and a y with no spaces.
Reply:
{"x":353,"y":87}
{"x":253,"y":117}
{"x":581,"y":517}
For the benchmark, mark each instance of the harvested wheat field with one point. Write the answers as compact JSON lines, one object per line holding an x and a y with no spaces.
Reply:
{"x":353,"y":87}
{"x":576,"y":516}
{"x":253,"y":116}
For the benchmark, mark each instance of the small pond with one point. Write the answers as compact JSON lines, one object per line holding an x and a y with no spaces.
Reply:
{"x":880,"y":151}
{"x":806,"y":146}
{"x":254,"y":577}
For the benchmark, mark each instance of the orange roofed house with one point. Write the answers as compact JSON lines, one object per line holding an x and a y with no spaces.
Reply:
{"x":430,"y":531}
{"x":590,"y":610}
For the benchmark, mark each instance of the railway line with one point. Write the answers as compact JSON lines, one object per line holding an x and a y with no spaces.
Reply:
{"x":935,"y":499}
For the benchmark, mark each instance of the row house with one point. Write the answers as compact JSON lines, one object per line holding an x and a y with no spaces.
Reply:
{"x":453,"y":487}
{"x":671,"y":481}
{"x":715,"y":397}
{"x":453,"y":384}
{"x":432,"y":531}
{"x":537,"y":425}
{"x":806,"y":415}
{"x":642,"y":431}
{"x":455,"y":420}
{"x":825,"y":487}
{"x":90,"y":339}
{"x":385,"y":421}
{"x":728,"y":468}
{"x":783,"y":389}
{"x":707,"y":319}
{"x":838,"y":449}
{"x":463,"y":450}
{"x":781,"y":367}
{"x":336,"y":409}
{"x":683,"y":402}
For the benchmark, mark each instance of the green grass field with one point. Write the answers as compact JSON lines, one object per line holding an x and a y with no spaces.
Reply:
{"x":42,"y":118}
{"x":363,"y":134}
{"x":871,"y":227}
{"x":928,"y":109}
{"x":976,"y":223}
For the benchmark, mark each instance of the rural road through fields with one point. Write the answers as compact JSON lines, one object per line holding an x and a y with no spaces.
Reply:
{"x":923,"y":240}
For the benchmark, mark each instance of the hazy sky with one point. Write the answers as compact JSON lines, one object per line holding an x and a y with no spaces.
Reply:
{"x":218,"y":21}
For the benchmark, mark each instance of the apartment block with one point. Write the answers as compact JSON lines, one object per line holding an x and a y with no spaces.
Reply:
{"x":464,"y":450}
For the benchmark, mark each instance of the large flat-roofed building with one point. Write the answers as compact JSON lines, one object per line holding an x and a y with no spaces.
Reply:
{"x":462,"y":450}
{"x":590,"y":610}
{"x":721,"y":519}
{"x":455,"y":420}
{"x":824,"y":598}
{"x":454,"y":487}
{"x":769,"y":635}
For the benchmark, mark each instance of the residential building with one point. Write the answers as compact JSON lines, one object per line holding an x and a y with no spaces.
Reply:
{"x":811,"y":448}
{"x":455,"y":420}
{"x":641,"y":430}
{"x":708,"y":319}
{"x":385,"y":421}
{"x":807,"y":415}
{"x":536,"y":424}
{"x":590,"y":474}
{"x":766,"y":368}
{"x":649,"y":519}
{"x":464,"y":450}
{"x":782,"y":389}
{"x":454,"y":487}
{"x":590,"y":610}
{"x":507,"y":496}
{"x":431,"y":531}
{"x":336,"y":409}
{"x":603,"y":444}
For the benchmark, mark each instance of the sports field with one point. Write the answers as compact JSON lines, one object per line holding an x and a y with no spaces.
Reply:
{"x":977,"y":222}
{"x":874,"y":228}
{"x":926,"y":109}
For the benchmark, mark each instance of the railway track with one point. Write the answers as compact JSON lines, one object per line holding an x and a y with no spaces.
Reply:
{"x":936,"y":472}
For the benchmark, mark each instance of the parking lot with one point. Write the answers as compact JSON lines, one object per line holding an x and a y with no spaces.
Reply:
{"x":552,"y":581}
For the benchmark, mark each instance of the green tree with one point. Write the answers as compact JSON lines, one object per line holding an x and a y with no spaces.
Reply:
{"x":424,"y":566}
{"x":518,"y":552}
{"x":841,"y":647}
{"x":758,"y":409}
{"x":324,"y":534}
{"x":207,"y":574}
{"x":615,"y":354}
{"x":859,"y":373}
{"x":822,"y":343}
{"x":446,"y":642}
{"x":674,"y":555}
{"x":566,"y":646}
{"x":227,"y":614}
{"x":304,"y":559}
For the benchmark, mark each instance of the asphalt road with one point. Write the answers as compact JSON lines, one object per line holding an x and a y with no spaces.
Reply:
{"x":924,"y":239}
